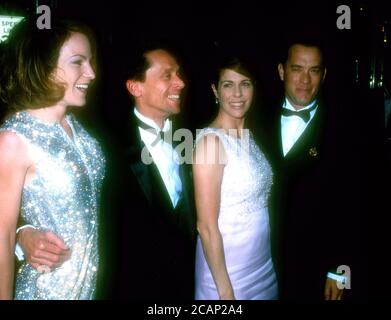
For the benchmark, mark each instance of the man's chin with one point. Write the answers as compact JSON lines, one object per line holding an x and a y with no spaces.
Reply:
{"x":304,"y":102}
{"x":175,"y":110}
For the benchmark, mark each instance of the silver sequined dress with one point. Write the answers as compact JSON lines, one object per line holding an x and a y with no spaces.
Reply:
{"x":243,"y":222}
{"x":62,"y":197}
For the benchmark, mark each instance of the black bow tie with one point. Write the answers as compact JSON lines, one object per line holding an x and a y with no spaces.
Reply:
{"x":304,"y":114}
{"x":159,"y":134}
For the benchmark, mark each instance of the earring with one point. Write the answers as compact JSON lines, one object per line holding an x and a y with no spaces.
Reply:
{"x":217,"y":100}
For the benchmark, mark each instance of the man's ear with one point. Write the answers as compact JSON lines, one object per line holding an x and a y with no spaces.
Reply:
{"x":133,"y":87}
{"x":281,"y":71}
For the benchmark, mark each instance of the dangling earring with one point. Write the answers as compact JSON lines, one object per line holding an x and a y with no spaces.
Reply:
{"x":217,"y":100}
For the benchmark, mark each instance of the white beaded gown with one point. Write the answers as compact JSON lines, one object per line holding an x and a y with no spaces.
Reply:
{"x":243,"y":222}
{"x":62,"y":197}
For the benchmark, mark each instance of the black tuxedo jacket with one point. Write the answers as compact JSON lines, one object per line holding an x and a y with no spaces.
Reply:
{"x":153,"y":244}
{"x":308,"y":212}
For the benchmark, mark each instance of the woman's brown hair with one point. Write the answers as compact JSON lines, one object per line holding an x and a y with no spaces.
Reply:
{"x":28,"y":59}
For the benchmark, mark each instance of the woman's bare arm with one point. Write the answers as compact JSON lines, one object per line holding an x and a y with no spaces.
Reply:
{"x":208,"y":169}
{"x":13,"y":167}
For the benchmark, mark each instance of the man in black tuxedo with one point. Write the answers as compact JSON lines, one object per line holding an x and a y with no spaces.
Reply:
{"x":156,"y":225}
{"x":307,"y":243}
{"x":147,"y":234}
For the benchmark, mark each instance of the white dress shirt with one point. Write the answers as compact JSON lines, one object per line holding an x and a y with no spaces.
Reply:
{"x":164,"y":156}
{"x":292,"y":127}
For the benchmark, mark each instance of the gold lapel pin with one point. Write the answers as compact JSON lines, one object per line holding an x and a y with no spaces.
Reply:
{"x":313,"y":152}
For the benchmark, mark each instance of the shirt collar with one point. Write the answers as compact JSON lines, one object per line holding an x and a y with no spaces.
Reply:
{"x":150,"y":122}
{"x":289,"y":106}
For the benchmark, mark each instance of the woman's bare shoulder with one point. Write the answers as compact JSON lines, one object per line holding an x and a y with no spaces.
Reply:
{"x":12,"y":148}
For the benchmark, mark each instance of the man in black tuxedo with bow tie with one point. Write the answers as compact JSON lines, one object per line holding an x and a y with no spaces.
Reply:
{"x":307,"y":245}
{"x":156,"y":226}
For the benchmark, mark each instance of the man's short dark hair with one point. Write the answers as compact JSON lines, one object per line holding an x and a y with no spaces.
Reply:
{"x":139,"y":63}
{"x":309,"y":41}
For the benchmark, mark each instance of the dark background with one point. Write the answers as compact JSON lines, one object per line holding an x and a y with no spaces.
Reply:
{"x":197,"y":28}
{"x":358,"y":62}
{"x":255,"y":29}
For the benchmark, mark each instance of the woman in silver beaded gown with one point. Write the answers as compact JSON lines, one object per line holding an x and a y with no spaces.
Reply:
{"x":232,"y":181}
{"x":51,"y":169}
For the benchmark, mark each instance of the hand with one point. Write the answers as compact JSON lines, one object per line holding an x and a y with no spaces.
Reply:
{"x":331,"y":291}
{"x":43,"y":248}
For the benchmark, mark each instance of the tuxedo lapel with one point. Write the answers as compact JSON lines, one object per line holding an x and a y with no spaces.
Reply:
{"x":160,"y":194}
{"x":141,"y":172}
{"x":307,"y":146}
{"x":147,"y":175}
{"x":188,"y":200}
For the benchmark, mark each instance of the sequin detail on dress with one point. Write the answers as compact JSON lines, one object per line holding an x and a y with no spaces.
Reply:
{"x":63,"y":197}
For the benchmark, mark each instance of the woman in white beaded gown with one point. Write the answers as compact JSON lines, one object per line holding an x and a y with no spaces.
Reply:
{"x":51,"y":169}
{"x":232,"y":180}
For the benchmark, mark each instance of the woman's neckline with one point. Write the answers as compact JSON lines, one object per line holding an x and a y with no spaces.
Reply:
{"x":41,"y":121}
{"x":228,"y":134}
{"x":51,"y":124}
